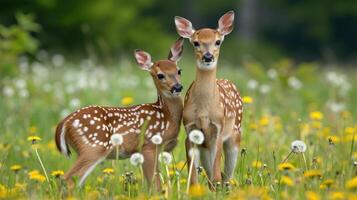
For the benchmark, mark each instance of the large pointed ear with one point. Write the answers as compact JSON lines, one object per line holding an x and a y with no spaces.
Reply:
{"x":184,"y":27}
{"x":143,"y":59}
{"x":176,"y":50}
{"x":225,"y":23}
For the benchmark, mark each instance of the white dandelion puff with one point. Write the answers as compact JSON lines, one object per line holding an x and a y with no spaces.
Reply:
{"x":298,"y":146}
{"x":117,"y":139}
{"x":137,"y":159}
{"x":196,"y":136}
{"x":156,"y":139}
{"x":165,"y":157}
{"x":194,"y":152}
{"x":294,"y":82}
{"x":252,"y":84}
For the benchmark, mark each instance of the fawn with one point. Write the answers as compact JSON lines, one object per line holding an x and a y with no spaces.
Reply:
{"x":88,"y":130}
{"x":212,"y":105}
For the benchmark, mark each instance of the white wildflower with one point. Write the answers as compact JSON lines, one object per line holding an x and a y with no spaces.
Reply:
{"x":116,"y":139}
{"x":336,"y":107}
{"x":165,"y":157}
{"x":156,"y":139}
{"x":75,"y":103}
{"x":272,"y":74}
{"x":8,"y":91}
{"x":196,"y":136}
{"x":294,"y":82}
{"x":252,"y":84}
{"x":137,"y":159}
{"x":57,"y":60}
{"x":298,"y":146}
{"x":264,"y":89}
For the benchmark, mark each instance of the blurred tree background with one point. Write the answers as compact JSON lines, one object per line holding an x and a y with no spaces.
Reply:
{"x":313,"y":30}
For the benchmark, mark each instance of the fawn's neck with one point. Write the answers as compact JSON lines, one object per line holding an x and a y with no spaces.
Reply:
{"x":172,"y":108}
{"x":205,"y":87}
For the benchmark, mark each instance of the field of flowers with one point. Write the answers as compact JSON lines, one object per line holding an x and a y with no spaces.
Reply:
{"x":299,"y":132}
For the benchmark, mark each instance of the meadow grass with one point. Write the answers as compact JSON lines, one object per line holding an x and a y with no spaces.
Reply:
{"x":282,"y":104}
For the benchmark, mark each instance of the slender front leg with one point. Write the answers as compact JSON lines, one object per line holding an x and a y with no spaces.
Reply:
{"x":148,"y":167}
{"x":230,"y":148}
{"x":217,"y":161}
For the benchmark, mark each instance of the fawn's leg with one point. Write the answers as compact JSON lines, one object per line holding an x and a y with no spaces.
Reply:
{"x":230,"y":147}
{"x":217,"y":161}
{"x":148,"y":167}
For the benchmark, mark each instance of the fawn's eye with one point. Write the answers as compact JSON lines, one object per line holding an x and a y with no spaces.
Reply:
{"x":196,"y":44}
{"x":179,"y":72}
{"x":218,"y":42}
{"x":160,"y":76}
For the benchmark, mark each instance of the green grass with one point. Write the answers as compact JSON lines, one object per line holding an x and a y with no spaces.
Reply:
{"x":43,"y":95}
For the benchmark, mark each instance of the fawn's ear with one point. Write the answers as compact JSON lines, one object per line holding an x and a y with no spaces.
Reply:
{"x":176,"y":50}
{"x":143,"y":59}
{"x":184,"y":27}
{"x":225,"y":23}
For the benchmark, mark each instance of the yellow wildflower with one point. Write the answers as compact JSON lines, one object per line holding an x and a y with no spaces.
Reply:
{"x":312,"y":173}
{"x":127,"y":101}
{"x":16,"y":168}
{"x":350,"y":130}
{"x":253,"y":126}
{"x":247,"y":99}
{"x":345,"y":114}
{"x":108,"y":171}
{"x":257,"y":164}
{"x":264,"y":121}
{"x":33,"y":139}
{"x":286,"y":166}
{"x":334,"y":138}
{"x":352,"y":184}
{"x":337,"y":195}
{"x":326,"y":184}
{"x":316,"y":124}
{"x":57,"y":173}
{"x":197,"y":190}
{"x":180,"y":165}
{"x":287,"y":181}
{"x":310,"y":195}
{"x":316,"y":115}
{"x":33,"y":172}
{"x":38,"y":177}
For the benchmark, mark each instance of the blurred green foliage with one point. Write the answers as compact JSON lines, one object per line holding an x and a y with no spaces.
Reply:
{"x":102,"y":30}
{"x":16,"y":40}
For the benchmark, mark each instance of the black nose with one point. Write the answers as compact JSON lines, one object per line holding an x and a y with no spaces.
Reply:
{"x":207,"y":57}
{"x":177,"y":88}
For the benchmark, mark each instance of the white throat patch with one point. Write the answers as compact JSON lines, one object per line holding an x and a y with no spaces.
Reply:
{"x":206,"y":66}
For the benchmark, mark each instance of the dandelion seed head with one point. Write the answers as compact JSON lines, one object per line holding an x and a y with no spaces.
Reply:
{"x":156,"y":139}
{"x":196,"y":136}
{"x":136,"y":159}
{"x":298,"y":146}
{"x":165,"y":157}
{"x":117,"y":139}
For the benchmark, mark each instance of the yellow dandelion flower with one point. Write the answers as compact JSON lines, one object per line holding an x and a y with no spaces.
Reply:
{"x":326,"y":184}
{"x":57,"y":173}
{"x":16,"y":168}
{"x":33,"y":172}
{"x":38,"y":177}
{"x":334,"y":138}
{"x":127,"y":101}
{"x":316,"y":115}
{"x":233,"y":182}
{"x":264,"y":121}
{"x":33,"y":139}
{"x":108,"y":171}
{"x":287,"y":181}
{"x":180,"y":165}
{"x":253,"y":126}
{"x":350,"y":138}
{"x":310,"y":195}
{"x":336,"y":195}
{"x":286,"y":166}
{"x":312,"y":173}
{"x":197,"y":190}
{"x":33,"y":129}
{"x":350,"y":130}
{"x":257,"y":164}
{"x":352,"y":184}
{"x":247,"y":99}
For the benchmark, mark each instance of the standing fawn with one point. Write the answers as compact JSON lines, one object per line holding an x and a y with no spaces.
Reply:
{"x":88,"y":130}
{"x":212,"y":105}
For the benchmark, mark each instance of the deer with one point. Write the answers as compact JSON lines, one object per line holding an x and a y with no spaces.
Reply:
{"x":211,"y":105}
{"x":88,"y":130}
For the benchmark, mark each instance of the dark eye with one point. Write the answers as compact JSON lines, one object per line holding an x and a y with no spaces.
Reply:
{"x":218,"y":42}
{"x":179,"y":72}
{"x":196,"y":44}
{"x":160,"y":76}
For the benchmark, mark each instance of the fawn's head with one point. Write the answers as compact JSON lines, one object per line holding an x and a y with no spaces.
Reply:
{"x":206,"y":41}
{"x":165,"y":73}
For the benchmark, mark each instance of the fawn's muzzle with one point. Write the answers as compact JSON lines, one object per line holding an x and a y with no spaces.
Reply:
{"x":177,"y":88}
{"x":207,"y":57}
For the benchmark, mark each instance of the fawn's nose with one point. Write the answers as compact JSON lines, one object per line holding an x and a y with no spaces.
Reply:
{"x":207,"y":57}
{"x":177,"y":88}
